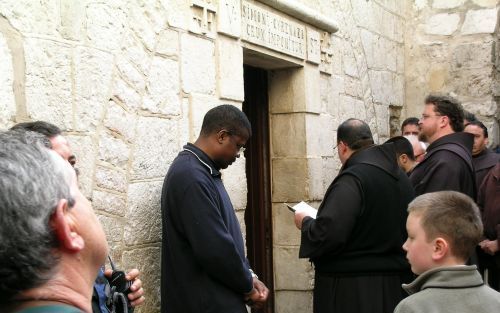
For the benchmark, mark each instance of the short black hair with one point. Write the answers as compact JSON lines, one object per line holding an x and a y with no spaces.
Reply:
{"x":47,"y":129}
{"x":226,"y":117}
{"x":402,"y":146}
{"x":355,"y":133}
{"x":410,"y":121}
{"x":450,"y":107}
{"x":479,"y":124}
{"x":469,"y":116}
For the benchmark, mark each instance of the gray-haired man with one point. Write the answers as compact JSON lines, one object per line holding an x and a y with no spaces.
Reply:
{"x":51,"y":243}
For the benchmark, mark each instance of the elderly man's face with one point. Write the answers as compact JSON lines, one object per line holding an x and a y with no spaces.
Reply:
{"x":85,"y":221}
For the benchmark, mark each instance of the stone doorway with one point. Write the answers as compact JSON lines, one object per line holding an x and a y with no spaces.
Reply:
{"x":258,"y":215}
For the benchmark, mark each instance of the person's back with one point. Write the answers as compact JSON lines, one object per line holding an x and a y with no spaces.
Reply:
{"x":443,"y":230}
{"x":374,"y":242}
{"x":355,"y":240}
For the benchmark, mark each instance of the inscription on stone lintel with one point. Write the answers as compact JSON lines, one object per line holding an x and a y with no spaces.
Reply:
{"x":268,"y":29}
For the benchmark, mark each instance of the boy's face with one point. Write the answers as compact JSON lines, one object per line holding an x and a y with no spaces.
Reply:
{"x":418,"y":249}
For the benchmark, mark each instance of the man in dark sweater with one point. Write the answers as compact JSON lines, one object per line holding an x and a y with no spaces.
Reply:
{"x":355,"y":241}
{"x":448,"y":162}
{"x":204,"y":268}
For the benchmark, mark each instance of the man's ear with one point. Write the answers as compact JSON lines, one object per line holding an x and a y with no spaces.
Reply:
{"x":63,"y":224}
{"x":342,"y":146}
{"x":444,"y":121}
{"x":403,"y":159}
{"x":440,"y":249}
{"x":221,"y":135}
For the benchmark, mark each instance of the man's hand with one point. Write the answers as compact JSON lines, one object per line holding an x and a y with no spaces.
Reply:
{"x":489,"y":246}
{"x":302,"y":210}
{"x":136,"y":292}
{"x":258,"y":296}
{"x":299,"y":216}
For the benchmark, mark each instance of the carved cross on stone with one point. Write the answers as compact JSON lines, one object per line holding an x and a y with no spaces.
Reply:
{"x":203,"y":21}
{"x":326,"y":53}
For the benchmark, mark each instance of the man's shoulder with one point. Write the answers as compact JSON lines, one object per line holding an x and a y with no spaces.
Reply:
{"x":187,"y":168}
{"x":486,"y":160}
{"x":446,"y":159}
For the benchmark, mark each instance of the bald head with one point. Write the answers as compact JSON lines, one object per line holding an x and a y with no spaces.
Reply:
{"x":354,"y":133}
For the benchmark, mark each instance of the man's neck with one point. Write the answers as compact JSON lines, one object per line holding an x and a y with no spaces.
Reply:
{"x":204,"y":145}
{"x":441,"y":133}
{"x":68,"y":286}
{"x":409,"y":166}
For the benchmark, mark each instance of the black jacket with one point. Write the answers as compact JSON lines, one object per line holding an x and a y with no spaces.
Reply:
{"x":447,"y":166}
{"x":361,"y":223}
{"x":204,"y":268}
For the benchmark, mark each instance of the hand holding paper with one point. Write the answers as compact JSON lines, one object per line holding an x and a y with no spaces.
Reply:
{"x":302,"y":210}
{"x":303,"y":207}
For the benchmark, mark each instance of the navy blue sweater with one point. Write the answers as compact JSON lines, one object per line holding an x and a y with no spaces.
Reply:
{"x":204,"y":268}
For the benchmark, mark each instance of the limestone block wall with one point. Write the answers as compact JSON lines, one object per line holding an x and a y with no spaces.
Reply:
{"x":452,"y":47}
{"x":129,"y":85}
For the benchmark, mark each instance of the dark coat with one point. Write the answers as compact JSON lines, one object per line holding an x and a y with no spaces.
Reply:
{"x":204,"y":268}
{"x":360,"y":226}
{"x":447,"y":166}
{"x":483,"y":163}
{"x":489,"y":203}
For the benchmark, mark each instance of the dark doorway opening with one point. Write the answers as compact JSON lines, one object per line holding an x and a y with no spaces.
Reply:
{"x":258,"y":215}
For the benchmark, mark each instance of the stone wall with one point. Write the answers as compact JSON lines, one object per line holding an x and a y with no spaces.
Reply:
{"x":110,"y":73}
{"x":452,"y":47}
{"x":130,"y":81}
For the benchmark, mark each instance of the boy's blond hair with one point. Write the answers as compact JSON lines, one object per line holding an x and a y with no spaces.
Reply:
{"x":451,"y":215}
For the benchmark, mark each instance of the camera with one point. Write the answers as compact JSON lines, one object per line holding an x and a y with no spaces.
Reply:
{"x":119,"y":288}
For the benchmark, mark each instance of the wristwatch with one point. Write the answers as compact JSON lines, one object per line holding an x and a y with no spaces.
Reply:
{"x":253,"y":274}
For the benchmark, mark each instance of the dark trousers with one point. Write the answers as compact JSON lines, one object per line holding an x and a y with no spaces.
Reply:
{"x":492,"y":264}
{"x":378,"y":293}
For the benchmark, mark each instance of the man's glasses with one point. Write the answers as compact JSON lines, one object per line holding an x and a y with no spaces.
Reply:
{"x":425,"y":116}
{"x":241,"y":148}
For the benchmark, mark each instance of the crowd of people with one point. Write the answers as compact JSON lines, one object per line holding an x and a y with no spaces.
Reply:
{"x":425,"y":203}
{"x":358,"y":243}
